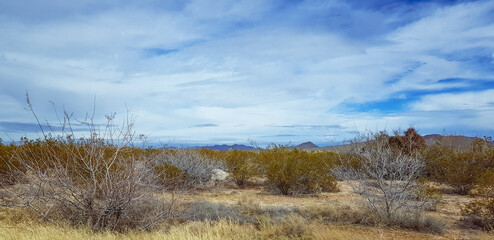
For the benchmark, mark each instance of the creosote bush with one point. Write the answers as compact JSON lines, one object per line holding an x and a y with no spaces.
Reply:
{"x":480,"y":212}
{"x":459,"y":168}
{"x":241,"y":165}
{"x":297,"y":171}
{"x":7,"y":162}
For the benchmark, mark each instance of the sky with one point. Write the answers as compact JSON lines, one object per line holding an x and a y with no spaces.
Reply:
{"x":271,"y":71}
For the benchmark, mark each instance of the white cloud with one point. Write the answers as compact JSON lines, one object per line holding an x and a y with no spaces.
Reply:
{"x":243,"y":65}
{"x":483,"y":100}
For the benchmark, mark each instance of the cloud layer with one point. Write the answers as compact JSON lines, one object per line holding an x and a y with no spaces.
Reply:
{"x":272,"y":71}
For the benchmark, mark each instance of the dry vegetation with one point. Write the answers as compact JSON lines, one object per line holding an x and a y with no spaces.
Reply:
{"x":100,"y":186}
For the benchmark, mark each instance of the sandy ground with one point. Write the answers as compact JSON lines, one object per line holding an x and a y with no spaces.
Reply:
{"x":448,"y":210}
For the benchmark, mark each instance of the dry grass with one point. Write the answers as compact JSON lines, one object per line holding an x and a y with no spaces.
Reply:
{"x":293,"y":228}
{"x":265,"y":216}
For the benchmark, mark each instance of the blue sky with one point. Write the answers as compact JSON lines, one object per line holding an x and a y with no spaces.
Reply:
{"x":219,"y":71}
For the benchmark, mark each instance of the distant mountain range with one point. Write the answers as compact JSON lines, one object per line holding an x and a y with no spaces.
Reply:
{"x":225,"y":147}
{"x":459,"y":141}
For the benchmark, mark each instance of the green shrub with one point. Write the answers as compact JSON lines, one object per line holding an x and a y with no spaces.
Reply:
{"x":170,"y":175}
{"x":241,"y":165}
{"x":485,"y":183}
{"x":7,"y":164}
{"x":459,"y":169}
{"x":480,"y":213}
{"x":296,"y":171}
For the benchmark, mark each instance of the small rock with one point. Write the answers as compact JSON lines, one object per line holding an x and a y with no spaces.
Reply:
{"x":219,"y":175}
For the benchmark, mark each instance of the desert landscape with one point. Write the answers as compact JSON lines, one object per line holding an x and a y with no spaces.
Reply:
{"x":378,"y":186}
{"x":246,"y":119}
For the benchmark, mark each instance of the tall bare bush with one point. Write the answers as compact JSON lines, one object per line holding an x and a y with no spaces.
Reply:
{"x":386,"y":176}
{"x":95,"y":179}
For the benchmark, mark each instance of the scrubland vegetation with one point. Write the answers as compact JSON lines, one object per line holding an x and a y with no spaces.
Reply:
{"x":99,"y":186}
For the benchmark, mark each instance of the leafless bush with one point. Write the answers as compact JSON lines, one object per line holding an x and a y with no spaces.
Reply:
{"x":96,"y":180}
{"x":189,"y":168}
{"x":335,"y":213}
{"x":385,"y":176}
{"x":207,"y":211}
{"x":245,"y":211}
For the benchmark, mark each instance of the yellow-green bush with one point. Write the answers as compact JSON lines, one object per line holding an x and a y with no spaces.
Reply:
{"x":459,"y":169}
{"x":480,"y":213}
{"x":170,"y":175}
{"x":241,"y":165}
{"x":297,"y":171}
{"x":6,"y":162}
{"x":485,"y":183}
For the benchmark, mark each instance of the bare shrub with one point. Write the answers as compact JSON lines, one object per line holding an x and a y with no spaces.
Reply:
{"x":244,"y":211}
{"x":207,"y":211}
{"x":249,"y":206}
{"x":186,"y":168}
{"x":419,"y":221}
{"x":430,"y":196}
{"x":272,"y":223}
{"x":334,"y":213}
{"x":387,"y":177}
{"x":415,"y":220}
{"x":96,"y":179}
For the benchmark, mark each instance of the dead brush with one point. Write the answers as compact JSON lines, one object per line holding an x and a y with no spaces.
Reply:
{"x":96,"y":180}
{"x":388,"y":178}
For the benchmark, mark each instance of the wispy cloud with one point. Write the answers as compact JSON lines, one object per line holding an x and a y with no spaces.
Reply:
{"x":204,"y":125}
{"x":17,"y":127}
{"x":30,"y":128}
{"x":319,"y":127}
{"x":317,"y":67}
